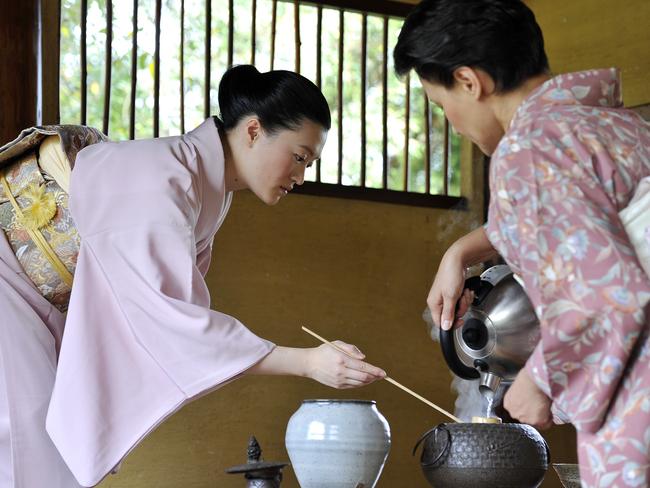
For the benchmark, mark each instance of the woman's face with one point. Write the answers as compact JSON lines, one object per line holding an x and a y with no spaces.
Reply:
{"x":278,"y":161}
{"x":468,"y":116}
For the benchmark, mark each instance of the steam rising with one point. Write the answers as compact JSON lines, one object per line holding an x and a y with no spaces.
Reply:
{"x":469,"y":401}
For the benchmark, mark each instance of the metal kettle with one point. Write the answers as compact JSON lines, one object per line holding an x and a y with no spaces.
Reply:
{"x":500,"y":331}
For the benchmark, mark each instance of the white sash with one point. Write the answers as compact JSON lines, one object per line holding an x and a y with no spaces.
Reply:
{"x":636,"y":220}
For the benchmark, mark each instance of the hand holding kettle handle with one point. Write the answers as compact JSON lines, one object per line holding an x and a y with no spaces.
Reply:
{"x":447,"y":341}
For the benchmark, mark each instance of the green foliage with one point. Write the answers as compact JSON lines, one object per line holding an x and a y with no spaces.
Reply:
{"x":194,"y":79}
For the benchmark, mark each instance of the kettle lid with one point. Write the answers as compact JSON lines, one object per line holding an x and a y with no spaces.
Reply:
{"x":495,"y":274}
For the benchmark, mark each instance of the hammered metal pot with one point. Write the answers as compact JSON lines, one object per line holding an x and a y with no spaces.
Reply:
{"x":468,"y":455}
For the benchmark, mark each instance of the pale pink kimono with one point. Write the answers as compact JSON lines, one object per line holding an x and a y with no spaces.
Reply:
{"x":140,"y":340}
{"x":569,"y":163}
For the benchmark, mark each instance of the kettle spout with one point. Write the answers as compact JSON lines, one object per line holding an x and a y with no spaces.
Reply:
{"x":489,"y":384}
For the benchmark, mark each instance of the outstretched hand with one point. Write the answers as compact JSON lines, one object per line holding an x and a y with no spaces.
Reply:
{"x":333,"y":368}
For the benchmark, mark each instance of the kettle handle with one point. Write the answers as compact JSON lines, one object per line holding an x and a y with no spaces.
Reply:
{"x":447,"y":342}
{"x":425,"y":436}
{"x":454,"y":363}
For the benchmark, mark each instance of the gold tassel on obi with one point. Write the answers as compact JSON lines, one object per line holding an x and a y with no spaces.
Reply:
{"x":37,"y":168}
{"x":42,"y":208}
{"x":39,"y":213}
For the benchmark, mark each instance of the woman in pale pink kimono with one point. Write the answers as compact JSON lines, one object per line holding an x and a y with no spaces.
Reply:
{"x":140,"y":341}
{"x":566,"y":159}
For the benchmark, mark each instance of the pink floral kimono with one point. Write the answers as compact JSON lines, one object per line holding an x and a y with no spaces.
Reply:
{"x":139,"y":340}
{"x":569,"y":163}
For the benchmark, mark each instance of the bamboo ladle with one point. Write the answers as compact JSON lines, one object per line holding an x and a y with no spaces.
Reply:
{"x":387,"y":378}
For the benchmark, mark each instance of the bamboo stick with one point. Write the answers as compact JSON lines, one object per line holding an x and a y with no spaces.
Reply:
{"x":387,"y":378}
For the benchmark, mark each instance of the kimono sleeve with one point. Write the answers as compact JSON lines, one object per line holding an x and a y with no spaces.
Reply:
{"x":140,"y":342}
{"x":583,"y":278}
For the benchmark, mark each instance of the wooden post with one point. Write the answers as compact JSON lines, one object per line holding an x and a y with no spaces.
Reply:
{"x":50,"y":47}
{"x":18,"y":59}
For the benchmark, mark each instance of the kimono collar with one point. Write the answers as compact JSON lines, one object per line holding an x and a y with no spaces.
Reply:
{"x":211,"y":176}
{"x":594,"y":88}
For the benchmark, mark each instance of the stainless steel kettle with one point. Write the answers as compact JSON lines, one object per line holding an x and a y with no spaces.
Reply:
{"x":499,"y":332}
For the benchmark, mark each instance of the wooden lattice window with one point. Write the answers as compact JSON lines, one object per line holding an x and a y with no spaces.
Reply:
{"x":143,"y":68}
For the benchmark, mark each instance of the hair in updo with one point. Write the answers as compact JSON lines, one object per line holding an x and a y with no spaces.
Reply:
{"x":500,"y":37}
{"x":280,"y":99}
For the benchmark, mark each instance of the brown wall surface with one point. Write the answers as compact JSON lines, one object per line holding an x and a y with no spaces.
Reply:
{"x":587,"y":34}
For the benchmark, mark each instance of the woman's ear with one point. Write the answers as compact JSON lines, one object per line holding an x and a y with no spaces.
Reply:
{"x":253,"y":130}
{"x":474,"y":82}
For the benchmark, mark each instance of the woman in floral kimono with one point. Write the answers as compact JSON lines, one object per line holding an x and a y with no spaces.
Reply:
{"x":140,"y":340}
{"x":566,"y":159}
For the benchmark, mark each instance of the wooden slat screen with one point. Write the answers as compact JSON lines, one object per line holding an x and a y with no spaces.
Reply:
{"x":412,"y":157}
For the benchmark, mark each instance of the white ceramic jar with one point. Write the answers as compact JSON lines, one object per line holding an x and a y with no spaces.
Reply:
{"x":337,"y":443}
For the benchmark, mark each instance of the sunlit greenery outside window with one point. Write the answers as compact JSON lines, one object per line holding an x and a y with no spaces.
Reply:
{"x":194,"y":79}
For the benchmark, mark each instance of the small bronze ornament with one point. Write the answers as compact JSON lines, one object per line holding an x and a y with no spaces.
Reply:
{"x":260,"y":474}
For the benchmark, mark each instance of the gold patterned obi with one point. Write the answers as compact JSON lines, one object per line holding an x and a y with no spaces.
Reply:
{"x":34,"y":214}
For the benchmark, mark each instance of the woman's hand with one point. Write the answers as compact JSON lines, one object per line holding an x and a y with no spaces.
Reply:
{"x":323,"y":364}
{"x":333,"y":368}
{"x":526,"y":403}
{"x":447,"y":288}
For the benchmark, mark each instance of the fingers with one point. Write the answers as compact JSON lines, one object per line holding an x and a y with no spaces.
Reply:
{"x":454,"y":308}
{"x":447,"y":287}
{"x":354,"y":378}
{"x":448,"y":309}
{"x":353,"y":373}
{"x":346,"y":377}
{"x":351,"y":384}
{"x":537,"y":422}
{"x":338,"y":369}
{"x":355,"y":383}
{"x":435,"y":305}
{"x":361,"y":371}
{"x":465,"y":301}
{"x":527,"y":404}
{"x":350,"y":349}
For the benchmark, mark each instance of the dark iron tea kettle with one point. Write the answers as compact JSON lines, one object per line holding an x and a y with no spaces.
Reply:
{"x":500,"y":331}
{"x":467,"y":455}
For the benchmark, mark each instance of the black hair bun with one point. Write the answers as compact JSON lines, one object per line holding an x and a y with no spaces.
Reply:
{"x":243,"y":74}
{"x":280,"y":99}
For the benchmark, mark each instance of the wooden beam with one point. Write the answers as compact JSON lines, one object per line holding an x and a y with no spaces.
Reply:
{"x":381,"y":195}
{"x":379,"y":7}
